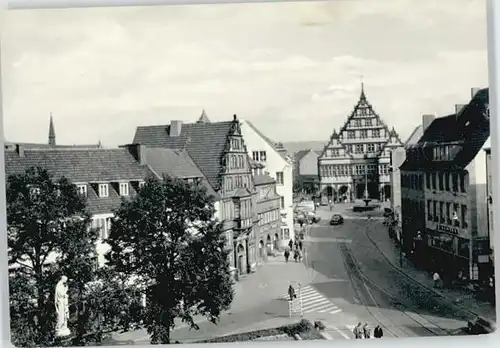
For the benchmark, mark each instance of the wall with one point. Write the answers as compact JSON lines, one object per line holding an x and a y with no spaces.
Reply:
{"x":274,"y":163}
{"x":490,"y":200}
{"x":308,"y":165}
{"x":398,"y":156}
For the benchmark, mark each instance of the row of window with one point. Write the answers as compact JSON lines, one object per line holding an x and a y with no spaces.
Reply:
{"x":365,"y":133}
{"x":269,"y":217}
{"x":236,"y":144}
{"x":243,"y":209}
{"x":412,"y":181}
{"x":236,"y":181}
{"x":237,"y":161}
{"x":103,"y":189}
{"x":445,"y":152}
{"x":447,"y":213}
{"x":444,"y":181}
{"x":357,"y":169}
{"x":259,"y":156}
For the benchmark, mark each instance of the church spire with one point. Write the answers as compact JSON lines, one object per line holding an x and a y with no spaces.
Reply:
{"x":52,"y":132}
{"x":203,"y":118}
{"x":362,"y":96}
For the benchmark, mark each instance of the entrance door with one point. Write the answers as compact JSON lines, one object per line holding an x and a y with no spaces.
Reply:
{"x":241,"y":264}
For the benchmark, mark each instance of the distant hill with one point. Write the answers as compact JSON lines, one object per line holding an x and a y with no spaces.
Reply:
{"x":294,"y":146}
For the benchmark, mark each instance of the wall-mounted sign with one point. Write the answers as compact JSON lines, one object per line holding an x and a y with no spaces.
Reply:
{"x":447,"y":229}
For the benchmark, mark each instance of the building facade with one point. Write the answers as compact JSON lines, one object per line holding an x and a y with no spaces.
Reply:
{"x":269,"y":215}
{"x":115,"y":175}
{"x":219,"y":151}
{"x":398,"y":157}
{"x":445,"y":178}
{"x":357,"y":158}
{"x":306,"y":171}
{"x":278,"y":166}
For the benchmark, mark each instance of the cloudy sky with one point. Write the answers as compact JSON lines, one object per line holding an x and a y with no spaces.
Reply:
{"x":294,"y":69}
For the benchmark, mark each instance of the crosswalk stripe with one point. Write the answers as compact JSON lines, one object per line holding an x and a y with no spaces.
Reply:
{"x":314,"y":301}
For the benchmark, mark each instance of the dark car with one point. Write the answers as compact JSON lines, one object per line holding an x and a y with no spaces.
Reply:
{"x":336,"y":219}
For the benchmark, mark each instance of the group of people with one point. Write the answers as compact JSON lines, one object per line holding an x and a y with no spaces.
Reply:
{"x":297,"y":251}
{"x":363,"y":331}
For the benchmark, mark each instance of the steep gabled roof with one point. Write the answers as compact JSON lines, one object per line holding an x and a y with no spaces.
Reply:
{"x":205,"y":143}
{"x":301,"y":154}
{"x":271,"y":143}
{"x":177,"y":164}
{"x":469,"y":129}
{"x":414,"y":136}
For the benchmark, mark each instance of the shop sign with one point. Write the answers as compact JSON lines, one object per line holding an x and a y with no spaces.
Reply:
{"x":447,"y":229}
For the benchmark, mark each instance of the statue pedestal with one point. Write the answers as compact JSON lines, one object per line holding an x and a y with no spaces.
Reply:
{"x":63,"y":332}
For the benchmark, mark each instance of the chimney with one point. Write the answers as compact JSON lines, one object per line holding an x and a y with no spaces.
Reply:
{"x":175,"y":128}
{"x":473,"y":92}
{"x":20,"y":150}
{"x":426,"y":121}
{"x":459,"y":107}
{"x":137,"y":151}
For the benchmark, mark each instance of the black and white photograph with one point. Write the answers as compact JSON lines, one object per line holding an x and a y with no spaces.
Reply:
{"x":276,"y":171}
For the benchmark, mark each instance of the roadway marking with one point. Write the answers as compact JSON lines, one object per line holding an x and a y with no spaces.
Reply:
{"x":314,"y":301}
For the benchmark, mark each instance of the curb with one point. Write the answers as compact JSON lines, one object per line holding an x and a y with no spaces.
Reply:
{"x":423,"y":285}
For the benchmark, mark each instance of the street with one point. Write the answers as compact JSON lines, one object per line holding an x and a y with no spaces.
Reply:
{"x":344,"y":280}
{"x":368,"y":288}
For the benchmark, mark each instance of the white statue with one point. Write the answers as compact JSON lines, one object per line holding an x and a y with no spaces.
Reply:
{"x":62,"y":309}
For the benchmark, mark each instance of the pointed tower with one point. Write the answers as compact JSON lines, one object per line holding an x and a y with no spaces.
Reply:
{"x":203,"y":118}
{"x":52,"y":132}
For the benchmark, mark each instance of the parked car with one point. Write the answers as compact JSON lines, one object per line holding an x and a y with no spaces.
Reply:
{"x":336,"y":219}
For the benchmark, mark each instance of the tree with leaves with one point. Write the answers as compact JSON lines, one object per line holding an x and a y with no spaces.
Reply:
{"x":49,"y":235}
{"x":168,"y":242}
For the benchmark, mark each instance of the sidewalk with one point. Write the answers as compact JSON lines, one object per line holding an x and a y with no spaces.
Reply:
{"x":461,"y":296}
{"x":252,"y":292}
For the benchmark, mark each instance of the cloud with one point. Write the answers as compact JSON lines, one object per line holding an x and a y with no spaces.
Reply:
{"x":283,"y":66}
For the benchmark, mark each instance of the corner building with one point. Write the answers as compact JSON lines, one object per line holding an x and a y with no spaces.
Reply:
{"x":444,"y":177}
{"x":358,"y":156}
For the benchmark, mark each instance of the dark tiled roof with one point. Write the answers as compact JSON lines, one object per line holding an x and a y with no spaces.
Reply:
{"x":175,"y":163}
{"x":205,"y":143}
{"x":263,"y":179}
{"x":83,"y":166}
{"x":470,"y":129}
{"x":79,"y":165}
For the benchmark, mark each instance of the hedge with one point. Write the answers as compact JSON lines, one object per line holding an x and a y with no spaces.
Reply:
{"x":305,"y":329}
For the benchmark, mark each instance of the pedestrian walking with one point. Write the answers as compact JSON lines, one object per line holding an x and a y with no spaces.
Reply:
{"x":290,"y":244}
{"x":291,"y":292}
{"x":358,"y":331}
{"x":378,"y":333}
{"x":296,"y":255}
{"x":287,"y":255}
{"x":436,"y":278}
{"x":366,"y":331}
{"x":300,"y":244}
